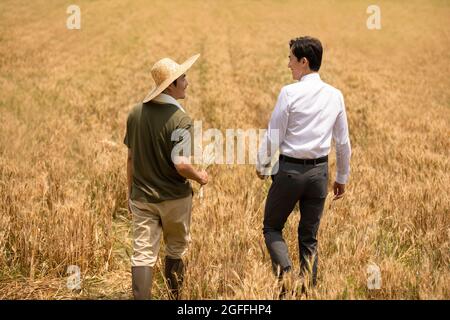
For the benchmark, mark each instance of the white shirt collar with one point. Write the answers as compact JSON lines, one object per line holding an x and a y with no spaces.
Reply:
{"x":310,"y":76}
{"x":165,"y":98}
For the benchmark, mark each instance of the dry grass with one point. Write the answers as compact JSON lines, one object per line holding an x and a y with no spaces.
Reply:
{"x":66,"y":94}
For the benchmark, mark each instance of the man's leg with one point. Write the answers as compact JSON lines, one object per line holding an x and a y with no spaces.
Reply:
{"x":146,"y":242}
{"x":176,"y":221}
{"x":281,"y":200}
{"x":311,"y":210}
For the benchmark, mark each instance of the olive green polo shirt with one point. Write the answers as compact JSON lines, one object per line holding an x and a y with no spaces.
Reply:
{"x":149,"y":136}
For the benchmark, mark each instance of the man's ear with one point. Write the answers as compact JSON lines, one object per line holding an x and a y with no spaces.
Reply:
{"x":168,"y":89}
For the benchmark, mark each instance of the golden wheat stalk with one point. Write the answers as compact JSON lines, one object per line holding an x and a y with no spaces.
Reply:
{"x":207,"y":161}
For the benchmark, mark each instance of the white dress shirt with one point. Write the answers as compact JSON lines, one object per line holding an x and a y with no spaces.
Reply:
{"x":307,"y":115}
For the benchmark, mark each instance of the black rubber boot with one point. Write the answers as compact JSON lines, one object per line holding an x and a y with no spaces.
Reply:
{"x":142,"y":282}
{"x":174,"y":273}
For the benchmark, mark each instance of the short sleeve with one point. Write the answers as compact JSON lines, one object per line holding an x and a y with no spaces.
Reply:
{"x":127,"y":139}
{"x":183,"y":136}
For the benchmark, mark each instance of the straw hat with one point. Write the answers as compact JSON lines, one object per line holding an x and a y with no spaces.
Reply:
{"x":166,"y":71}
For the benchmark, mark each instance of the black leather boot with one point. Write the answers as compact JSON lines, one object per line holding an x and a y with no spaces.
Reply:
{"x":281,"y":273}
{"x":142,"y":282}
{"x":174,"y":273}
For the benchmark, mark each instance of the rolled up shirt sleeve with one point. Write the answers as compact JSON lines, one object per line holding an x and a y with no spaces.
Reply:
{"x":275,"y":133}
{"x":343,"y":147}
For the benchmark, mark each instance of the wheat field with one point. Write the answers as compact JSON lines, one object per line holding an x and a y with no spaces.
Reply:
{"x":65,"y":96}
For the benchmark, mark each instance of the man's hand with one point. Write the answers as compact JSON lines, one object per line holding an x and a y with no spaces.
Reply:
{"x":203,"y":177}
{"x":185,"y":169}
{"x":262,"y":177}
{"x":339,"y":190}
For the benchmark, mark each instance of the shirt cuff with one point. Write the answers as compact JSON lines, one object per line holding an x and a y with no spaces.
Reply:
{"x":342,"y":178}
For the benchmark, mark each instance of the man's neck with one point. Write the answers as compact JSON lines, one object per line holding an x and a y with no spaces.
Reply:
{"x":307,"y":73}
{"x":169,"y":95}
{"x":167,"y":98}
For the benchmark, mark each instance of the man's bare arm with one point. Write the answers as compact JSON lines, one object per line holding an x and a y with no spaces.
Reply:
{"x":185,"y":169}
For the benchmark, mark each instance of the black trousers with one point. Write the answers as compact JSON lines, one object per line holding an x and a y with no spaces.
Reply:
{"x":307,"y":185}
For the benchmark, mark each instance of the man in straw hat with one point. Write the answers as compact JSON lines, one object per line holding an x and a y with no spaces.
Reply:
{"x":307,"y":115}
{"x":160,"y":196}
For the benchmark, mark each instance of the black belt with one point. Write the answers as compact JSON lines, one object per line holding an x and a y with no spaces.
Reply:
{"x":303,"y":161}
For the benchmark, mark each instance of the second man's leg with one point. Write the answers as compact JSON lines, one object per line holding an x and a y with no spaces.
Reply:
{"x":311,"y":209}
{"x":280,"y":202}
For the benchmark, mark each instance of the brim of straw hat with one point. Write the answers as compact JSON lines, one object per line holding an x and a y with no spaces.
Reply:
{"x":181,"y":70}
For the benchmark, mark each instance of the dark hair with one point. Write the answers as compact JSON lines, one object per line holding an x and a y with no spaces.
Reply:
{"x":175,"y":82}
{"x":307,"y":47}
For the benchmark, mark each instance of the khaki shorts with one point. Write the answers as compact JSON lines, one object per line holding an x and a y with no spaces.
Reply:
{"x":172,"y":218}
